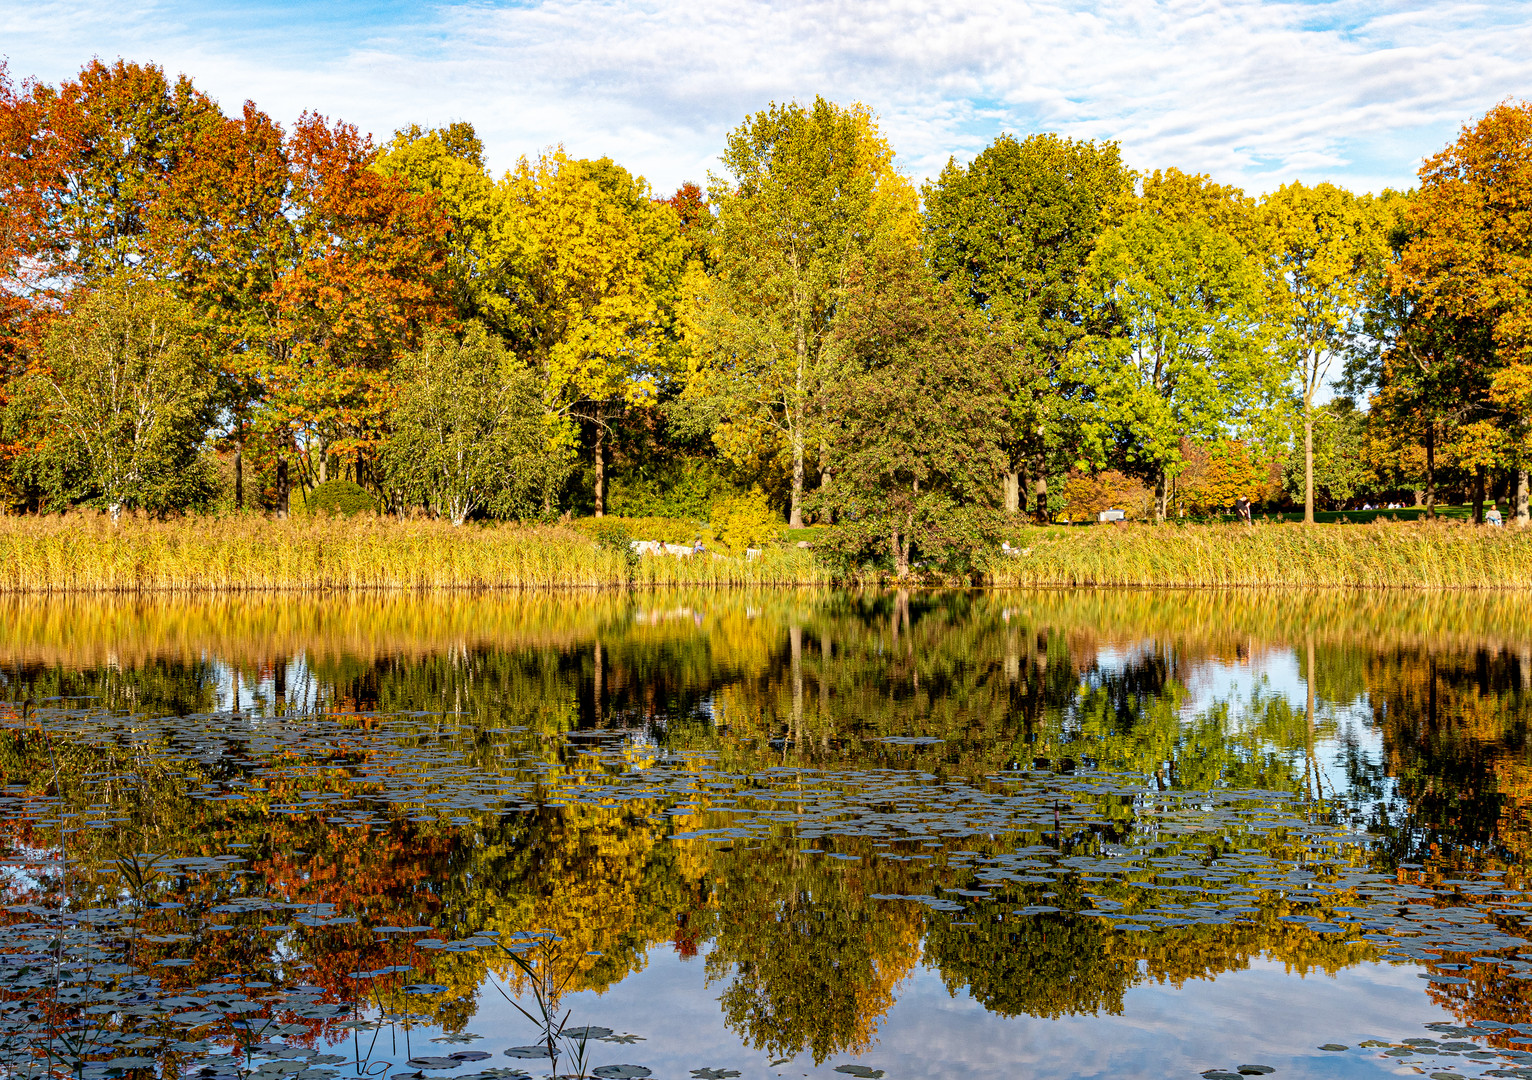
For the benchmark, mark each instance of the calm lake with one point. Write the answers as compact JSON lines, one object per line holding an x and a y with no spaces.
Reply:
{"x":760,"y":834}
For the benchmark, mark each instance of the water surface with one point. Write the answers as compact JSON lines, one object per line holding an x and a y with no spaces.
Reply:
{"x":802,"y":834}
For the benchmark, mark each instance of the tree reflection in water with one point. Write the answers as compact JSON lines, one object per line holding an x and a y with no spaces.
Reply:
{"x":1066,"y":795}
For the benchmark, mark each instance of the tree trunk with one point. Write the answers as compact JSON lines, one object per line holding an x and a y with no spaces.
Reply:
{"x":1308,"y":460}
{"x":1478,"y":495}
{"x":239,"y":476}
{"x":795,"y":515}
{"x":901,"y":555}
{"x":826,"y":515}
{"x":1040,"y":498}
{"x":1010,"y":489}
{"x":824,"y":676}
{"x":795,"y":639}
{"x":1521,"y":498}
{"x":283,"y":491}
{"x":1431,"y":470}
{"x":600,"y":466}
{"x":1161,"y":495}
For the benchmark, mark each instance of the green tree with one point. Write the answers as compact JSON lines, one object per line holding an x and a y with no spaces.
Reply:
{"x":1012,"y":230}
{"x":808,"y":191}
{"x":1334,"y":466}
{"x":916,"y":428}
{"x":1178,"y":349}
{"x":125,"y":393}
{"x":1324,"y":246}
{"x":468,"y":434}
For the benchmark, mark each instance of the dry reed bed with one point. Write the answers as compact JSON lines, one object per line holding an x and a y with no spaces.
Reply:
{"x":1383,"y":555}
{"x":88,"y":553}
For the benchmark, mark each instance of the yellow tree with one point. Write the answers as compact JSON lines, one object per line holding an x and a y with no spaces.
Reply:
{"x":599,"y":255}
{"x":1323,"y":247}
{"x":485,"y":247}
{"x":1469,"y":258}
{"x":809,"y":192}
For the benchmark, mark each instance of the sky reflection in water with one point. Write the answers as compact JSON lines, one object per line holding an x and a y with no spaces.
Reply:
{"x":1050,"y":834}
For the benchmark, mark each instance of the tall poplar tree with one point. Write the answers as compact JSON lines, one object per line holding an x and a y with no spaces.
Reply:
{"x":1323,"y":248}
{"x":809,"y":190}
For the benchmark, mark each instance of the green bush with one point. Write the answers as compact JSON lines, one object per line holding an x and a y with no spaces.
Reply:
{"x":342,"y":497}
{"x":681,"y":488}
{"x":664,"y":529}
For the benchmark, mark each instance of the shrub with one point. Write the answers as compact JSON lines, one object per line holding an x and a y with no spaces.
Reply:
{"x":744,"y":521}
{"x":343,"y":497}
{"x":683,"y":487}
{"x":1087,"y":494}
{"x":664,"y":529}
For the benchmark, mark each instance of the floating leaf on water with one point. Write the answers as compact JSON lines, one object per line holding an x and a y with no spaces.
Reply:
{"x":621,"y":1072}
{"x":436,"y":1062}
{"x":1334,"y":1046}
{"x":714,"y":1074}
{"x":527,"y":1052}
{"x":469,"y":1055}
{"x":1255,"y":1070}
{"x":588,"y":1032}
{"x":860,"y":1070}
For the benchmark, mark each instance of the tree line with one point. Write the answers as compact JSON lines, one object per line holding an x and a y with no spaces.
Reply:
{"x":200,"y":310}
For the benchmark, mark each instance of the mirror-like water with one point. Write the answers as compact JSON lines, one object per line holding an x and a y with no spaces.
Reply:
{"x":801,"y":834}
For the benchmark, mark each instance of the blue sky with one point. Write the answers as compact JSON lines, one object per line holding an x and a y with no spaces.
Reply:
{"x":1254,"y":92}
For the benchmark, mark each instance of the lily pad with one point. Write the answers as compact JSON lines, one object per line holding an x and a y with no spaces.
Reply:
{"x":621,"y":1072}
{"x":528,"y":1052}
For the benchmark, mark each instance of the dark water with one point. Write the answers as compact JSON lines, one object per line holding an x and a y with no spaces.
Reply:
{"x":1055,"y":834}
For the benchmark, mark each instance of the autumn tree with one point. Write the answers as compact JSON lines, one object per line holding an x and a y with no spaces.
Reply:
{"x":1323,"y":247}
{"x":313,"y":269}
{"x":485,"y":245}
{"x":808,"y":190}
{"x":467,"y":433}
{"x":602,"y":260}
{"x":1177,"y":349}
{"x":1469,"y":255}
{"x":123,"y":398}
{"x":1426,"y":367}
{"x":1012,"y":231}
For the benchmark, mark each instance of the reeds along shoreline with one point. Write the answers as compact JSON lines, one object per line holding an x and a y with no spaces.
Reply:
{"x":87,"y":553}
{"x":1382,"y":555}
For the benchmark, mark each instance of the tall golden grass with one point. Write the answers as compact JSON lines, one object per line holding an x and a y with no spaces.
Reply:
{"x":1383,"y":555}
{"x":87,"y":553}
{"x":83,"y":552}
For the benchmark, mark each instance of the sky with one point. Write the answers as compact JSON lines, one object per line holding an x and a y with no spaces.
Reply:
{"x":1254,"y":92}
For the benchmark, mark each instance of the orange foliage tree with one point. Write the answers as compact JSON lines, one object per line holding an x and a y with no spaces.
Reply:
{"x":1469,"y":259}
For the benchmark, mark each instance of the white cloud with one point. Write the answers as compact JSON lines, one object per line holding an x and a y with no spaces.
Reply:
{"x":1254,"y":92}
